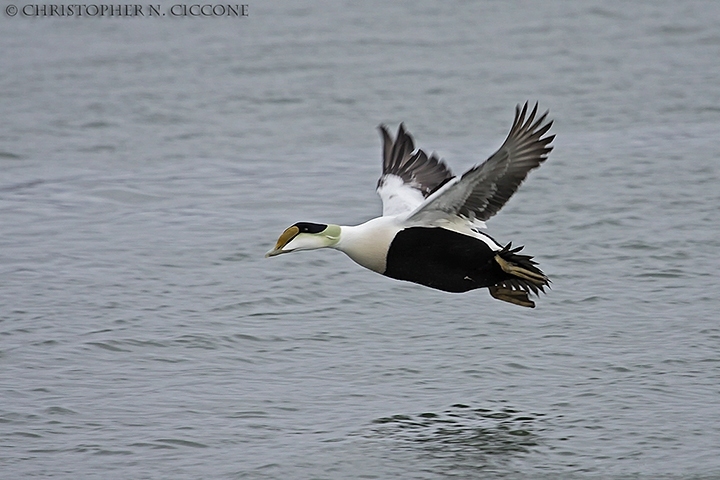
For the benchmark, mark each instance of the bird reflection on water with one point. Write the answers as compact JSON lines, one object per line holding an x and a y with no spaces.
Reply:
{"x":474,"y":438}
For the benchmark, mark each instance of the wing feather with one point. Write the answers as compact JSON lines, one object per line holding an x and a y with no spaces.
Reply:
{"x":409,"y":176}
{"x":484,"y":189}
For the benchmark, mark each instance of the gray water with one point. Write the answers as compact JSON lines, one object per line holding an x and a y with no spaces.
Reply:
{"x":148,"y":163}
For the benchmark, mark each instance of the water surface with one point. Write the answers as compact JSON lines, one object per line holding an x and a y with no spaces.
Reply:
{"x":148,"y":164}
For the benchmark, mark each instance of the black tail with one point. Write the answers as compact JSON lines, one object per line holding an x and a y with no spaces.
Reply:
{"x":524,"y":277}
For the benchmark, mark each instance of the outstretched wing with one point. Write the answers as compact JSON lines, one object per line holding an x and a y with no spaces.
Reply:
{"x":483,"y":190}
{"x":408,"y":176}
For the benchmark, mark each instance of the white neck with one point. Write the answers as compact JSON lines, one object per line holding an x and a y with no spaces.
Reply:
{"x":367,"y":244}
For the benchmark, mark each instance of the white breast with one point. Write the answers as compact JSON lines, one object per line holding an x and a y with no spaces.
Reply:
{"x":368,"y":244}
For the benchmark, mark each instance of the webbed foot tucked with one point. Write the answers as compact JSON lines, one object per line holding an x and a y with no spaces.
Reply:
{"x":518,"y":297}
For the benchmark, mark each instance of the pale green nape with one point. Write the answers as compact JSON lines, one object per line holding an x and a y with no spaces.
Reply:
{"x":332,"y":232}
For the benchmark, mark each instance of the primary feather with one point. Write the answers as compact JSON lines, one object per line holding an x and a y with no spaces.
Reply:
{"x":408,"y":176}
{"x":475,"y":196}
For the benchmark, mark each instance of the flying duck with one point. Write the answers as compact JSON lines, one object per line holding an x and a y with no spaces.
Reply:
{"x":429,"y":232}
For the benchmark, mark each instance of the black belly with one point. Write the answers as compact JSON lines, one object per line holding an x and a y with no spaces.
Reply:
{"x":442,"y":259}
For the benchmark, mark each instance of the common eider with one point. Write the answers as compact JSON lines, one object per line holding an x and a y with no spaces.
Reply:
{"x":429,"y":232}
